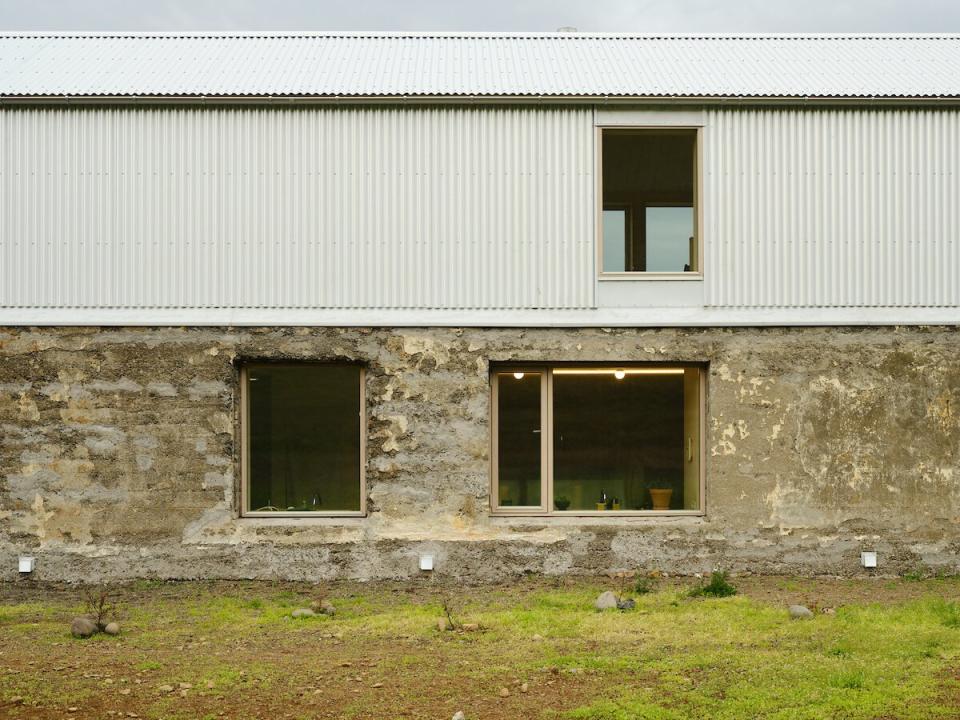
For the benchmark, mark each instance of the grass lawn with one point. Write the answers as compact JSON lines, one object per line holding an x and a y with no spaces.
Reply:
{"x":884,"y":649}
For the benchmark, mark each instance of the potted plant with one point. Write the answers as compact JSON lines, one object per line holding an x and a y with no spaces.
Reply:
{"x":561,"y":502}
{"x":661,"y":498}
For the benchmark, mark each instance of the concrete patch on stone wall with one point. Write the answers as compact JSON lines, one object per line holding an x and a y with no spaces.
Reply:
{"x":119,"y":454}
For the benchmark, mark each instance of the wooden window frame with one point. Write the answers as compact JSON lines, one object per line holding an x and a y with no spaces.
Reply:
{"x":546,"y":508}
{"x":245,"y":446}
{"x":696,"y":275}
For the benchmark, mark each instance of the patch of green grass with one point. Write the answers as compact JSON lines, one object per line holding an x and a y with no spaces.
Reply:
{"x":948,"y":612}
{"x":718,"y":585}
{"x":644,"y":585}
{"x":672,"y":658}
{"x":848,"y":680}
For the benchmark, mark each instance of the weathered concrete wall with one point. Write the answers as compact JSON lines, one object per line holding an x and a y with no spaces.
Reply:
{"x":119,"y":456}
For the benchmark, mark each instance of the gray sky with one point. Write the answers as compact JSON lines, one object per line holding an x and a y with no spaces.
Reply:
{"x":531,"y":15}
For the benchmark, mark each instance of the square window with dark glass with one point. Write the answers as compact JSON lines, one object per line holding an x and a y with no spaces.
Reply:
{"x":649,"y":200}
{"x":303,"y":439}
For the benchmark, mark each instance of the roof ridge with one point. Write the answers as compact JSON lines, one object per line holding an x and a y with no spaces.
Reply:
{"x":353,"y":34}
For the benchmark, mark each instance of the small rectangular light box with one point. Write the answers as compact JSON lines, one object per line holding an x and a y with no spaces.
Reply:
{"x":26,"y":564}
{"x":426,"y":562}
{"x":868,"y":558}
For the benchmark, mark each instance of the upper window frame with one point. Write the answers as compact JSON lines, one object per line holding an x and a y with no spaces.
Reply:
{"x":546,"y":507}
{"x":244,"y":499}
{"x":643,"y":275}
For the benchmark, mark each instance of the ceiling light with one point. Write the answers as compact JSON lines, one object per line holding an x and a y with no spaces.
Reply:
{"x":619,"y":374}
{"x":518,"y":375}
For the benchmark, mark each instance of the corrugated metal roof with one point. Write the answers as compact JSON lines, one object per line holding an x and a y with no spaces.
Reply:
{"x":324,"y":65}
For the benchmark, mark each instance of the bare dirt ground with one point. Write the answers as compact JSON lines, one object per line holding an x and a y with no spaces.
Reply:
{"x":231,"y":650}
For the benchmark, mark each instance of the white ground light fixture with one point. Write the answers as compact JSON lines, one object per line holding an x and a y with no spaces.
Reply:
{"x":426,"y":562}
{"x":868,"y":558}
{"x":26,"y":564}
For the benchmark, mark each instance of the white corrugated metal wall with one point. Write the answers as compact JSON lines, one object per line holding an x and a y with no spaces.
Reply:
{"x":457,"y":208}
{"x":297,"y":208}
{"x":832,"y":207}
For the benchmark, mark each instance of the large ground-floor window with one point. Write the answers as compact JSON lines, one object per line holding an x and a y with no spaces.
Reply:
{"x":599,"y":439}
{"x":303,"y":436}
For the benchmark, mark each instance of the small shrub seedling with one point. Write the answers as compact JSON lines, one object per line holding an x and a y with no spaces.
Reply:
{"x":719,"y":586}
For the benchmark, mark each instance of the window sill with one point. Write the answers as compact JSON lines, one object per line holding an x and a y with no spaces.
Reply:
{"x":611,"y":514}
{"x":650,"y":276}
{"x":346,"y":515}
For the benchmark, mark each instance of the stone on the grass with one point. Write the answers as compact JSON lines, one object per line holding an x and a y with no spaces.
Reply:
{"x":799,"y":612}
{"x":112,"y":628}
{"x":323,"y":607}
{"x":628,"y":604}
{"x":606,"y":601}
{"x":458,"y":715}
{"x":470,"y":627}
{"x":504,"y":692}
{"x":537,"y":637}
{"x":302,"y":613}
{"x":443,"y":625}
{"x":165,"y":688}
{"x":83,"y":627}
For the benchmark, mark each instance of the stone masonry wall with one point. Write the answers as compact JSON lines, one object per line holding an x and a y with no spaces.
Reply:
{"x":119,"y":454}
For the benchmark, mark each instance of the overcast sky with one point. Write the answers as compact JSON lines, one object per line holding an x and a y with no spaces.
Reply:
{"x":503,"y":15}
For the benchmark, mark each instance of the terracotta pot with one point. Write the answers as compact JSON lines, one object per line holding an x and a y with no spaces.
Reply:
{"x":661,"y":498}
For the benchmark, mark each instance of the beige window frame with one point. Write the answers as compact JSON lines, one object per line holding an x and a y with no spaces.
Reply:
{"x":245,"y":512}
{"x":696,"y":275}
{"x":546,"y":508}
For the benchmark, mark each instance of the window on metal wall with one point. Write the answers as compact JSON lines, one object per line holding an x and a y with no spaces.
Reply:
{"x":303,"y":439}
{"x":597,"y":439}
{"x":649,"y":191}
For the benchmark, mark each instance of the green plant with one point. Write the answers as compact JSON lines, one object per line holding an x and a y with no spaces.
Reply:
{"x":849,"y":680}
{"x":561,"y":502}
{"x":917,"y":573}
{"x":644,"y":585}
{"x":719,"y":585}
{"x":949,"y":613}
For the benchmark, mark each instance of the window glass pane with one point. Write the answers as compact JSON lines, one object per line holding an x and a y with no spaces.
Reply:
{"x":518,"y":439}
{"x":648,"y":191}
{"x":304,"y":429}
{"x":614,"y":240}
{"x":669,"y":239}
{"x":622,"y":443}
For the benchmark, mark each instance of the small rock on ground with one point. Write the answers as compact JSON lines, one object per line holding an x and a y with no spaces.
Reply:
{"x":112,"y":629}
{"x":628,"y":604}
{"x":458,"y":715}
{"x":606,"y":601}
{"x":302,"y":613}
{"x":504,"y":692}
{"x":799,"y":612}
{"x":83,"y":627}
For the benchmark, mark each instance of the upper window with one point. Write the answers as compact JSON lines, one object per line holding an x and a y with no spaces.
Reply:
{"x":649,"y":190}
{"x":597,"y":439}
{"x":303,"y":439}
